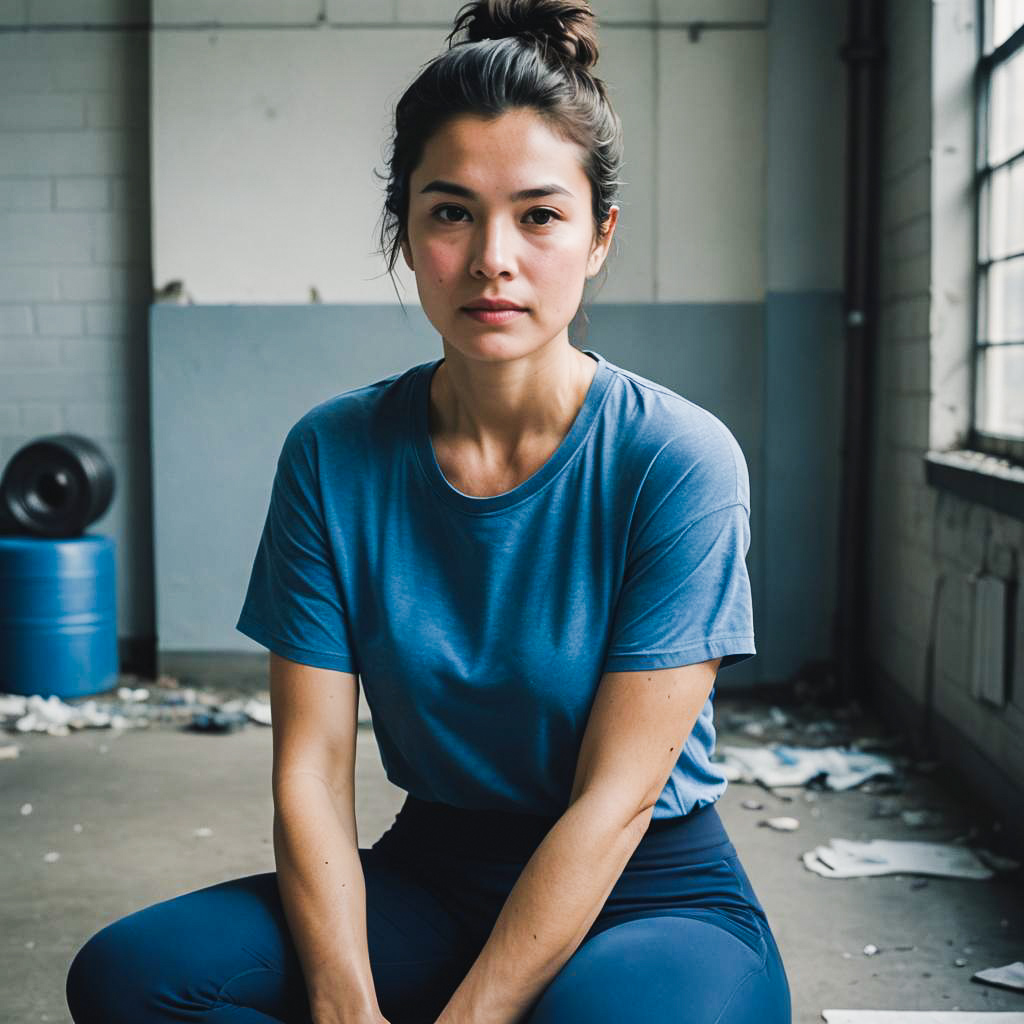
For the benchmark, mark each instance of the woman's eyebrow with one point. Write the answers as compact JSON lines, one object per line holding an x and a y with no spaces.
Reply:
{"x":527,"y":193}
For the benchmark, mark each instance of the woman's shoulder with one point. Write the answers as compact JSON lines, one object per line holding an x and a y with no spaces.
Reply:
{"x":678,"y":440}
{"x":348,"y":420}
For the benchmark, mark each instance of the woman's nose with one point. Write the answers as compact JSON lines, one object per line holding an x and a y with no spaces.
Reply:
{"x":493,"y":245}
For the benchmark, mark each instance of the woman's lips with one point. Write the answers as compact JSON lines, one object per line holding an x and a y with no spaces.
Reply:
{"x":494,"y":316}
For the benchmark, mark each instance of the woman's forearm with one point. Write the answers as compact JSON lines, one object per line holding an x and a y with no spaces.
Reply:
{"x":323,"y":891}
{"x":549,"y":910}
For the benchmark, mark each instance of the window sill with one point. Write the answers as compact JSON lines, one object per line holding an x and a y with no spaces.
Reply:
{"x":975,"y":476}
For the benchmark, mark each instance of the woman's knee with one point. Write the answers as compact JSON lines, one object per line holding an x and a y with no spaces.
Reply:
{"x":189,"y":955}
{"x":96,"y":971}
{"x":663,"y":969}
{"x":124,"y":972}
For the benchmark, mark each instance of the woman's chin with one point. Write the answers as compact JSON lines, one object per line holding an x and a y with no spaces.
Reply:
{"x":484,"y":343}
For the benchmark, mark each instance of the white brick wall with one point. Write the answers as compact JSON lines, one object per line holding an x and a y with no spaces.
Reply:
{"x":74,"y":256}
{"x":926,"y":543}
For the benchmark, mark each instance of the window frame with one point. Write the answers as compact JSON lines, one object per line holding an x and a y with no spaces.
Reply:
{"x":980,"y":468}
{"x":1000,"y":445}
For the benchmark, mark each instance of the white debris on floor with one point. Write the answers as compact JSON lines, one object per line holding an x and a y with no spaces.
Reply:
{"x":256,"y":710}
{"x":783,"y":824}
{"x":922,"y":818}
{"x":1011,"y":976}
{"x":845,"y":858}
{"x":132,"y":708}
{"x":130,"y":696}
{"x":922,"y":1017}
{"x":782,"y":765}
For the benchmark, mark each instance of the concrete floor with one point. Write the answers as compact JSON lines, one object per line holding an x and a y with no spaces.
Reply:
{"x":140,"y":796}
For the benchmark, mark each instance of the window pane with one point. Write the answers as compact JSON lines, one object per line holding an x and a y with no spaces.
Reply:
{"x":1003,"y":212}
{"x":1006,"y":17}
{"x":1002,"y":319}
{"x":1006,"y":111}
{"x":1001,"y":390}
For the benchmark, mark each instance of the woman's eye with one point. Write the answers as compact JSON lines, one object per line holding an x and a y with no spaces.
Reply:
{"x":548,"y":215}
{"x":441,"y":209}
{"x":545,"y":213}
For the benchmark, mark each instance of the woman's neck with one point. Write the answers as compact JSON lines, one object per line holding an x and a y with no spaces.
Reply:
{"x":502,"y":408}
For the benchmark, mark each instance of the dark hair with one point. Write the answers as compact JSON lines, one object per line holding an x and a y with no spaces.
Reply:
{"x":532,"y":54}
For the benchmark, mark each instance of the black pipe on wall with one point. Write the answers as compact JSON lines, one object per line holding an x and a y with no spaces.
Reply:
{"x":864,"y":54}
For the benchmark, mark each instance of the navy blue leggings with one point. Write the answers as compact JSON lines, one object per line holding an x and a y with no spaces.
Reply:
{"x":681,"y":938}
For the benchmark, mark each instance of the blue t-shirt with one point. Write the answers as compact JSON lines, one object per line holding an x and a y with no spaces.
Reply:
{"x":481,"y":626}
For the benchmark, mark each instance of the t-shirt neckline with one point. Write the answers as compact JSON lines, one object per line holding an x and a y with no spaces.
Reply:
{"x":570,"y":444}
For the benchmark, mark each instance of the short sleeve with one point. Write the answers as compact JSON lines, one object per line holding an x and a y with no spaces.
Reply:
{"x":685,"y":596}
{"x":293,"y":603}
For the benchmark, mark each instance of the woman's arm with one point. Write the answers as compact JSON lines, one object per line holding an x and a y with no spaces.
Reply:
{"x":635,"y":732}
{"x":319,"y":873}
{"x":320,"y":879}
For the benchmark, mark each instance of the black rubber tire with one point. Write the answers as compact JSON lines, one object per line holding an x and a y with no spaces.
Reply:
{"x":55,"y":486}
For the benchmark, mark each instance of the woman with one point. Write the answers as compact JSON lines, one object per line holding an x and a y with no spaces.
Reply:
{"x":535,"y":561}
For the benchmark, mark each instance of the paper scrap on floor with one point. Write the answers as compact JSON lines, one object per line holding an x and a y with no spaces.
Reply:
{"x":783,"y":765}
{"x":922,"y":1016}
{"x":131,"y":709}
{"x":1011,"y":976}
{"x":846,"y":858}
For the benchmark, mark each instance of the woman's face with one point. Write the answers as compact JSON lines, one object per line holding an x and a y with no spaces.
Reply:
{"x":471,"y":237}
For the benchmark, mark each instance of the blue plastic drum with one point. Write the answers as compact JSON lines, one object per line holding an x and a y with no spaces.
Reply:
{"x":58,"y":615}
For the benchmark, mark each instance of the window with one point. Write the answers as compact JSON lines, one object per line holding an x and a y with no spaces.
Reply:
{"x":998,"y":411}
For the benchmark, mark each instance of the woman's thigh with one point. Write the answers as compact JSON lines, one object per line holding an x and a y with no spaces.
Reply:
{"x":224,"y":953}
{"x":678,"y":969}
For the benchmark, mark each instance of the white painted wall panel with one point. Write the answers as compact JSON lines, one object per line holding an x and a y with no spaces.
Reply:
{"x":265,"y":141}
{"x":610,"y":11}
{"x":440,"y":11}
{"x":264,"y":145}
{"x":13,"y":12}
{"x":806,"y":167}
{"x":627,"y":67}
{"x":607,"y":11}
{"x":710,"y":167}
{"x":354,"y":11}
{"x":718,"y":11}
{"x":235,"y":12}
{"x":341,"y":12}
{"x":85,"y":12}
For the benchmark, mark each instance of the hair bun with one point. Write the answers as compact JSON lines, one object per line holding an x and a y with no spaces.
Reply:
{"x":569,"y":29}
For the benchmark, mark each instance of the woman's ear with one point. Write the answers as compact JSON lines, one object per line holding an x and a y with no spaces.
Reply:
{"x":407,"y":254}
{"x":600,"y":249}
